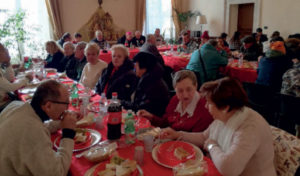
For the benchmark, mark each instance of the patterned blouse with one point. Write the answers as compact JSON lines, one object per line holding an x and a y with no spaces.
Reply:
{"x":291,"y":81}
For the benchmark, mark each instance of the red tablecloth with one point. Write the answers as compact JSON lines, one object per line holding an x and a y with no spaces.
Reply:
{"x":242,"y":74}
{"x":132,"y":52}
{"x":80,"y":165}
{"x":176,"y":62}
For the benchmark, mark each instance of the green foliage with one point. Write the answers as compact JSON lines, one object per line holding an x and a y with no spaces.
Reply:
{"x":15,"y":34}
{"x":184,"y":16}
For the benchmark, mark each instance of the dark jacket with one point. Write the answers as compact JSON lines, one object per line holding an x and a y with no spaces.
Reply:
{"x":149,"y":48}
{"x":54,"y":61}
{"x":123,"y":81}
{"x":252,"y":53}
{"x":271,"y":69}
{"x":63,"y":63}
{"x":123,"y":40}
{"x":262,"y":39}
{"x":74,"y":68}
{"x":61,"y":42}
{"x":101,"y":44}
{"x":151,"y":93}
{"x":139,"y":42}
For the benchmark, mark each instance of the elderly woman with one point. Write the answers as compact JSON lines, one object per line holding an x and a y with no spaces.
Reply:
{"x":239,"y":141}
{"x":69,"y":53}
{"x":118,"y":76}
{"x":7,"y":79}
{"x":55,"y":55}
{"x":186,"y":111}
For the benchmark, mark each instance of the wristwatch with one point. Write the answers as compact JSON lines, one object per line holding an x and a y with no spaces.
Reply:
{"x":210,"y":146}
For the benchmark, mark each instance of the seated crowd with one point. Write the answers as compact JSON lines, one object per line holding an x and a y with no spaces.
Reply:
{"x":209,"y":112}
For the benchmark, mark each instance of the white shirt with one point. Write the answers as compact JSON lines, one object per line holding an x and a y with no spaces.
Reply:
{"x":91,"y":73}
{"x":190,"y":108}
{"x":7,"y":84}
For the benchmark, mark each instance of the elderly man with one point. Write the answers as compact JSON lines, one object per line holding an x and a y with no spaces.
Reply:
{"x":150,"y":47}
{"x":7,"y":79}
{"x":26,"y":147}
{"x":76,"y":64}
{"x":100,"y":40}
{"x":188,"y":45}
{"x":126,"y":40}
{"x":138,"y":40}
{"x":159,"y":38}
{"x":69,"y":53}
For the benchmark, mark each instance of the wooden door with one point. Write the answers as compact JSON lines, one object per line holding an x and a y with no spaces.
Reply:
{"x":245,"y":19}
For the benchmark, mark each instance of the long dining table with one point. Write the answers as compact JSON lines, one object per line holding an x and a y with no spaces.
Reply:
{"x":79,"y":166}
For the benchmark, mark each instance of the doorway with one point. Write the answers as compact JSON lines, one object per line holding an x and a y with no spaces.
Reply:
{"x":245,"y":19}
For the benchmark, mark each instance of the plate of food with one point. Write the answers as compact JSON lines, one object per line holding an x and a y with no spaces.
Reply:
{"x":84,"y":139}
{"x":148,"y":131}
{"x":116,"y":166}
{"x":172,"y":153}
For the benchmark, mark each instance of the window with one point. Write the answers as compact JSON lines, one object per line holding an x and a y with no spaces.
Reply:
{"x":36,"y":20}
{"x":159,"y":15}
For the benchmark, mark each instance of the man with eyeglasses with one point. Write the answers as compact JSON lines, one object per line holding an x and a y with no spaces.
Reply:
{"x":26,"y":147}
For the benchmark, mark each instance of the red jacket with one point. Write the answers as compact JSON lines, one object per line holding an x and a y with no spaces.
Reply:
{"x":200,"y":120}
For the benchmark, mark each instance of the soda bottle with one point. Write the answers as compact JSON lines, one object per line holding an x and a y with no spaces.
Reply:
{"x":74,"y":96}
{"x":114,"y":118}
{"x":129,"y":128}
{"x":28,"y":64}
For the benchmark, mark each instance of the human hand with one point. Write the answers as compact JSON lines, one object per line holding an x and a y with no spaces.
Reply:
{"x":207,"y":142}
{"x":145,"y":113}
{"x":69,"y":120}
{"x":29,"y":76}
{"x":169,"y":133}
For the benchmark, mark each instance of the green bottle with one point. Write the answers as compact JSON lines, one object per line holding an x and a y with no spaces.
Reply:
{"x":28,"y":64}
{"x":74,"y":95}
{"x":129,"y":128}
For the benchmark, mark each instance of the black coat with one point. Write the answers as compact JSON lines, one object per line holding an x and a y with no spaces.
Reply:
{"x":63,"y":63}
{"x":123,"y":40}
{"x":123,"y":81}
{"x":74,"y":67}
{"x":151,"y":93}
{"x":54,"y":61}
{"x":139,"y":42}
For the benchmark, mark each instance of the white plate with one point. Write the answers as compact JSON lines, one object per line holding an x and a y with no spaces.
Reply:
{"x":91,"y":170}
{"x":27,"y":90}
{"x":95,"y":135}
{"x":199,"y":155}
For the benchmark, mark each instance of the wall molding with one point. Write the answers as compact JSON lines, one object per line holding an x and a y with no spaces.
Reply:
{"x":256,"y":17}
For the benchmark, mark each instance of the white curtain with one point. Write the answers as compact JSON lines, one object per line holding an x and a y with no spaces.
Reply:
{"x":158,"y":15}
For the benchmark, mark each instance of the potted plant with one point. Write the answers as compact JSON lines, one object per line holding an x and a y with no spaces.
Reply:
{"x":15,"y":34}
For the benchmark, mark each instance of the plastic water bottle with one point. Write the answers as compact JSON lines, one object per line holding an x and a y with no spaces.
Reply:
{"x":75,"y":95}
{"x":129,"y":128}
{"x":241,"y":62}
{"x":103,"y":104}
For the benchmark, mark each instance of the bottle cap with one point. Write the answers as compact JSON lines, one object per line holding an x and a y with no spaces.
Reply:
{"x":114,"y":94}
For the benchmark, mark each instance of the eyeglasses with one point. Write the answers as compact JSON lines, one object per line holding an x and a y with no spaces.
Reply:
{"x":59,"y":102}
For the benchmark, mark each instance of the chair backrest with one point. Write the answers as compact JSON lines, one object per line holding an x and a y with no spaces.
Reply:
{"x":288,"y":112}
{"x":287,"y":152}
{"x":263,"y":100}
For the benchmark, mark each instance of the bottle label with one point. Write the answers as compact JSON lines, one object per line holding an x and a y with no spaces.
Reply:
{"x":114,"y":118}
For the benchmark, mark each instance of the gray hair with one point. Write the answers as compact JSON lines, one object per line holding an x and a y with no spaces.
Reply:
{"x":148,"y":37}
{"x":183,"y":74}
{"x":81,"y":45}
{"x":120,"y":47}
{"x":47,"y":90}
{"x":69,"y":44}
{"x":98,"y":32}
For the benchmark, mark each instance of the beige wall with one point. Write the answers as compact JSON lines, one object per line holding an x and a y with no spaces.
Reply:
{"x":212,"y":9}
{"x":281,"y":15}
{"x":75,"y":13}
